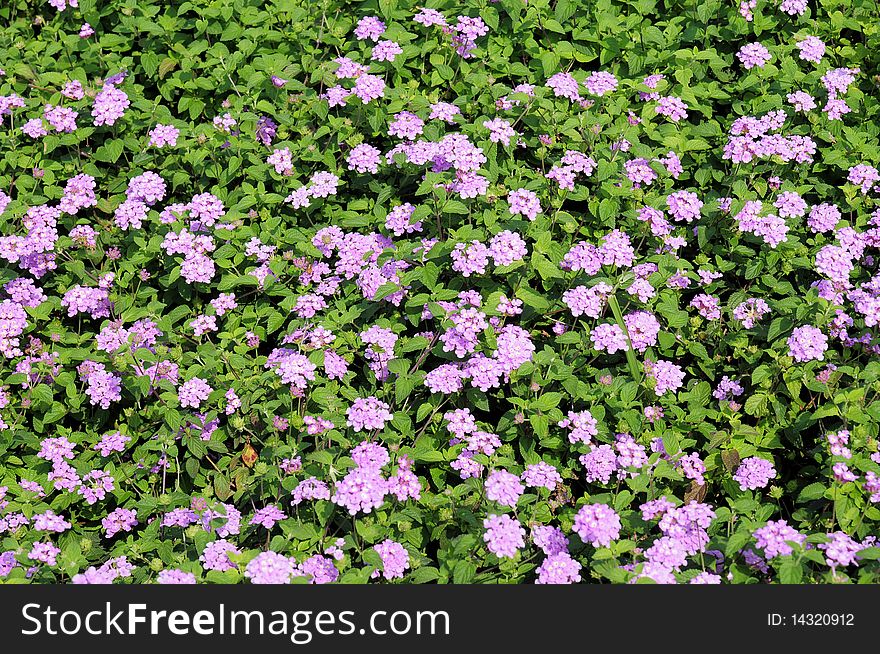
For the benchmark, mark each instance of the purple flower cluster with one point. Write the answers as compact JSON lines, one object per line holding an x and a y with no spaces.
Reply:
{"x":754,"y":472}
{"x":597,"y":524}
{"x":504,"y":536}
{"x":807,"y":343}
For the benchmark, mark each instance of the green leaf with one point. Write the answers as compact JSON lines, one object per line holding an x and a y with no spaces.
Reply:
{"x":756,"y":404}
{"x":541,"y":424}
{"x":55,"y":413}
{"x":110,"y":151}
{"x":671,"y":443}
{"x":532,"y":299}
{"x":791,"y":572}
{"x":424,"y":575}
{"x":564,"y":10}
{"x":547,"y":401}
{"x":463,"y":572}
{"x":761,"y":373}
{"x":811,"y":492}
{"x":196,"y":446}
{"x":168,"y":64}
{"x":545,"y":268}
{"x":456,"y":207}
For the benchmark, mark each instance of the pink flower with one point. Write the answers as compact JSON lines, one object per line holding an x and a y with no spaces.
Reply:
{"x":193,"y":392}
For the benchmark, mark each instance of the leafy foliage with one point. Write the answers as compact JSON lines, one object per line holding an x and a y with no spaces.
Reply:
{"x":187,"y":65}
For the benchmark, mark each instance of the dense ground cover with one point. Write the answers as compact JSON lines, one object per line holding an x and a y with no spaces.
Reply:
{"x":493,"y":292}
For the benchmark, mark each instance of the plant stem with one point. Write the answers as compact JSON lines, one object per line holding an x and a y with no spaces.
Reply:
{"x":631,"y":360}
